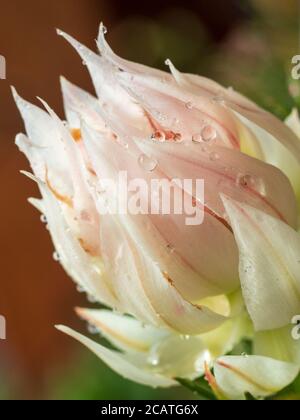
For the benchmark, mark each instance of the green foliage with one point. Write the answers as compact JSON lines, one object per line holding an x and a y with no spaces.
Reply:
{"x":87,"y":378}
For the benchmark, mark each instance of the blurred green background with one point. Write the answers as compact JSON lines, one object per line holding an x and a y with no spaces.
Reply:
{"x":247,"y":44}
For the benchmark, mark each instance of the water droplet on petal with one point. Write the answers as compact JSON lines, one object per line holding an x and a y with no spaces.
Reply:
{"x":214,"y":156}
{"x":208,"y":133}
{"x":177,"y":137}
{"x":43,"y":218}
{"x":245,"y":180}
{"x":56,"y":256}
{"x":247,"y":265}
{"x":170,"y":248}
{"x":197,"y":138}
{"x":80,"y":289}
{"x":103,"y":29}
{"x":92,"y":329}
{"x":250,"y":181}
{"x":219,"y":99}
{"x":185,"y":337}
{"x":153,"y":360}
{"x":159,"y":136}
{"x":189,"y":105}
{"x":147,"y":163}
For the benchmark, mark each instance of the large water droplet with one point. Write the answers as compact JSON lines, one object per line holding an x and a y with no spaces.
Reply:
{"x":250,"y":181}
{"x":208,"y":133}
{"x":148,"y":163}
{"x":158,"y":136}
{"x":245,"y":180}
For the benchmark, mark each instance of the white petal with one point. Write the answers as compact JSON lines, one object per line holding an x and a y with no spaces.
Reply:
{"x":147,"y":291}
{"x":80,"y":104}
{"x":43,"y":146}
{"x":275,"y":153}
{"x":199,"y":267}
{"x":119,"y":62}
{"x":223,"y":339}
{"x":125,"y":332}
{"x":118,"y":362}
{"x":269,"y":265}
{"x":159,"y":350}
{"x":37,"y":203}
{"x":179,"y":357}
{"x":83,"y":268}
{"x":248,"y":110}
{"x":259,"y":376}
{"x":278,"y":344}
{"x":117,"y":103}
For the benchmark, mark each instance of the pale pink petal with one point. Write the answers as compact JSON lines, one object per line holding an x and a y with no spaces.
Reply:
{"x":118,"y":362}
{"x":173,"y":109}
{"x":141,"y":285}
{"x":86,"y":271}
{"x":80,"y":104}
{"x":199,"y":267}
{"x":250,"y":112}
{"x":227,"y":171}
{"x":115,"y":101}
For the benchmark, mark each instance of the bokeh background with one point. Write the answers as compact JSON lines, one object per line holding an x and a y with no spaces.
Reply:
{"x":247,"y":44}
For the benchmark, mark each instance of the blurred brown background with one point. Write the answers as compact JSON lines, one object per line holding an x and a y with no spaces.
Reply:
{"x":219,"y":38}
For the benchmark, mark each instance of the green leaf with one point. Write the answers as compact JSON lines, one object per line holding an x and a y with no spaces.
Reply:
{"x":249,"y":397}
{"x":198,"y":386}
{"x":292,"y":392}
